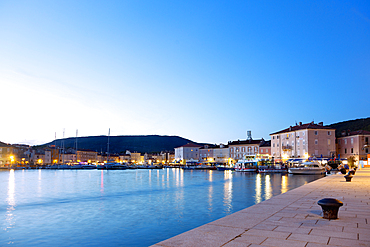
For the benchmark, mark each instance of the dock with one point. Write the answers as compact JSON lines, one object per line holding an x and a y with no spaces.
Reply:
{"x":293,"y":219}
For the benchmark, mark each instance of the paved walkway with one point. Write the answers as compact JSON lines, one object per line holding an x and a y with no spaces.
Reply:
{"x":293,"y":219}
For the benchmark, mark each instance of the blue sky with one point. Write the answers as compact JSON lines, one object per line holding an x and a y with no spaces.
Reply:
{"x":203,"y":70}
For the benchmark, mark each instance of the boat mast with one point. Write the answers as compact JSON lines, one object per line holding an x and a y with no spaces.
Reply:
{"x":76,"y":144}
{"x":63,"y":148}
{"x":108,"y":146}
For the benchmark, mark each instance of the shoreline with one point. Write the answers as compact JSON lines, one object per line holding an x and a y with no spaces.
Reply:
{"x":293,"y":219}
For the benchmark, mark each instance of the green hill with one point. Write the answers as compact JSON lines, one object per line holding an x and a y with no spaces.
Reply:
{"x":119,"y":144}
{"x":353,"y":125}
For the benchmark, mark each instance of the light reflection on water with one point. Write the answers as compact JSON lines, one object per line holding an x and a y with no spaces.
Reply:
{"x":124,"y":208}
{"x":10,"y":221}
{"x":268,"y":189}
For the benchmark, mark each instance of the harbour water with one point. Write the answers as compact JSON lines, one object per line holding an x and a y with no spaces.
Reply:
{"x":124,"y":207}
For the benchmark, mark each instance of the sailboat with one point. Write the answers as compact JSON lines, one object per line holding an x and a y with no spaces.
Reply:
{"x":111,"y":164}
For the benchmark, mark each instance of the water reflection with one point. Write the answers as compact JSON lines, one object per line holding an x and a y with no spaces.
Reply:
{"x":258,"y":188}
{"x":179,"y":176}
{"x":228,"y":189}
{"x":102,"y":181}
{"x":210,"y":175}
{"x":268,"y":188}
{"x":210,"y":197}
{"x":284,"y":184}
{"x":10,"y":200}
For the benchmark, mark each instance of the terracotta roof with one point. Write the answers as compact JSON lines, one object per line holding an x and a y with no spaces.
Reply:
{"x":358,"y":132}
{"x":190,"y":145}
{"x":2,"y":144}
{"x":242,"y":142}
{"x":266,"y":144}
{"x":311,"y":125}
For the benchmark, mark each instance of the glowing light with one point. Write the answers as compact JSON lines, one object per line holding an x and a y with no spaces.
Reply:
{"x":11,"y":158}
{"x":306,"y":156}
{"x":285,"y":157}
{"x":39,"y":161}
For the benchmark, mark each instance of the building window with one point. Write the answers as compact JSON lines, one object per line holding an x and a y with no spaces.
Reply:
{"x":329,"y":133}
{"x":338,"y":141}
{"x":316,"y":133}
{"x":345,"y":141}
{"x":316,"y":141}
{"x":277,"y":137}
{"x":261,"y":150}
{"x":273,"y":137}
{"x":351,"y":150}
{"x":351,"y":140}
{"x":366,"y":150}
{"x":345,"y":150}
{"x":273,"y":145}
{"x":366,"y":141}
{"x":328,"y":141}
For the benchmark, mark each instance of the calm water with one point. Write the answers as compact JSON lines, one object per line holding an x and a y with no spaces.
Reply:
{"x":124,"y":208}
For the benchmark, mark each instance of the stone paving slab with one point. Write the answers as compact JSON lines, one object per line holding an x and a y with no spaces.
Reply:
{"x":293,"y":219}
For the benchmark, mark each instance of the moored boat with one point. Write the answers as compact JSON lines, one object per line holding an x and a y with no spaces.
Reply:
{"x":307,"y":168}
{"x":246,"y":166}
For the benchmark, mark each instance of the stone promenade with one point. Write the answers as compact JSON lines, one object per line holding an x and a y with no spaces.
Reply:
{"x":293,"y":219}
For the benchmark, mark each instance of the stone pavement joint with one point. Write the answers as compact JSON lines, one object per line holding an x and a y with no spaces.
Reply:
{"x":293,"y":219}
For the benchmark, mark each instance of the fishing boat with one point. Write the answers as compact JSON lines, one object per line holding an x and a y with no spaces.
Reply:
{"x":307,"y":168}
{"x":246,"y":166}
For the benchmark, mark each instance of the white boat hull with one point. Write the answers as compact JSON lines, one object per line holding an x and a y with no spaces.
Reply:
{"x":306,"y":171}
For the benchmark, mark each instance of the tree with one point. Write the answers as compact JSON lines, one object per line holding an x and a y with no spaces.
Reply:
{"x":351,"y":161}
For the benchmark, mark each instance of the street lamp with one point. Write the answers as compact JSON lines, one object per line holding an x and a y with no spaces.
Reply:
{"x":11,"y":160}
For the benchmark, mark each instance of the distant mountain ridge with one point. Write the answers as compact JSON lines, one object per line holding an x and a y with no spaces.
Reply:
{"x":157,"y":143}
{"x":353,"y":125}
{"x":119,"y":144}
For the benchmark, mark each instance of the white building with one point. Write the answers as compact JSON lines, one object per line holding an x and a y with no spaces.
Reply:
{"x":189,"y":151}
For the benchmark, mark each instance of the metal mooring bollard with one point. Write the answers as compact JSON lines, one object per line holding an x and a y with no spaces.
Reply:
{"x":348,"y":177}
{"x":330,"y":207}
{"x":352,"y":172}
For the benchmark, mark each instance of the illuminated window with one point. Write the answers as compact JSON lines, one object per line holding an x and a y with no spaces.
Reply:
{"x":328,"y":141}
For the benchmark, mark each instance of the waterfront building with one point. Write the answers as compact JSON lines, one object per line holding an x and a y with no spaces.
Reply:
{"x":303,"y":141}
{"x":39,"y":157}
{"x":244,"y":149}
{"x":8,"y":155}
{"x":55,"y":154}
{"x":87,"y":156}
{"x":47,"y":158}
{"x":354,"y":143}
{"x":137,"y":158}
{"x":206,"y":154}
{"x":124,"y":158}
{"x":186,"y":152}
{"x":264,"y":150}
{"x":221,"y":154}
